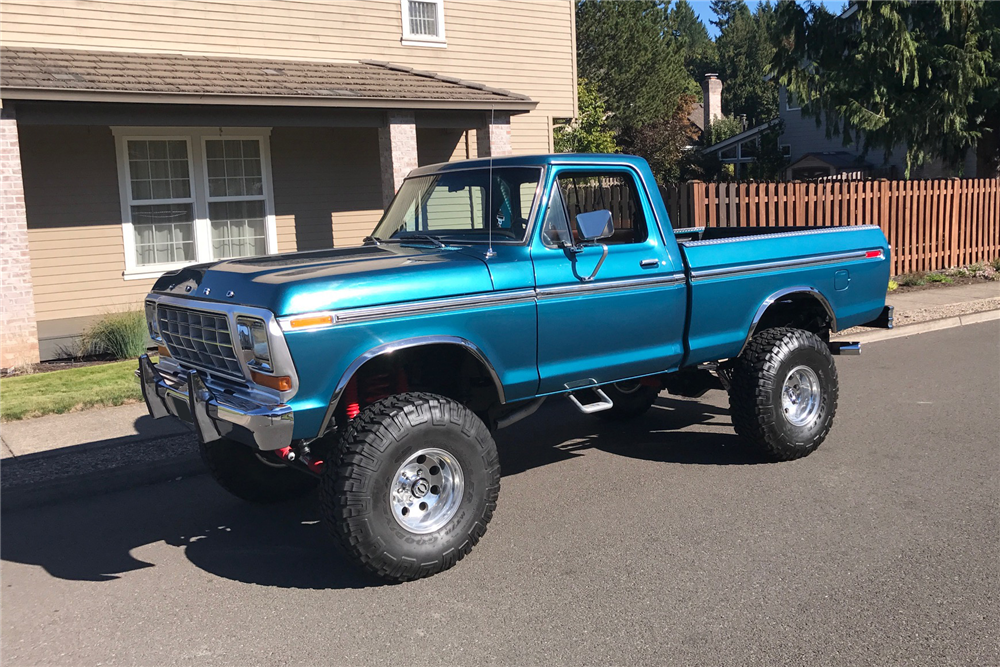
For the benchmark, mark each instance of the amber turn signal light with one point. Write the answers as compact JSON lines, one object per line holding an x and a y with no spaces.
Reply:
{"x":311,"y":321}
{"x":279,"y":382}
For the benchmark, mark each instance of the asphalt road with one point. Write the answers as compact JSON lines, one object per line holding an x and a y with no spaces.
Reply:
{"x":658,"y":543}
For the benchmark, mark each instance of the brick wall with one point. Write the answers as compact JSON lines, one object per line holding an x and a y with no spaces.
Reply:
{"x":18,"y":333}
{"x":494,"y":139}
{"x":397,"y":145}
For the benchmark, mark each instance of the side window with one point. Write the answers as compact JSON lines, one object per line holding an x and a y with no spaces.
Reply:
{"x":613,"y":191}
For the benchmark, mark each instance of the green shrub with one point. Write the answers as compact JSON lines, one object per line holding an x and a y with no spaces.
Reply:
{"x":122,"y":335}
{"x":975,"y":268}
{"x":911,"y":280}
{"x":938,"y":278}
{"x":996,"y":264}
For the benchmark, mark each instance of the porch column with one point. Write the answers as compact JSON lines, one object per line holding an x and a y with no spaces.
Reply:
{"x":493,"y":138}
{"x":18,"y":331}
{"x":397,"y":147}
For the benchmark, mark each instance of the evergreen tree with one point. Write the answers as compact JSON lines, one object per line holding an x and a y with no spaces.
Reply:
{"x":923,"y":75}
{"x":698,"y":48}
{"x":745,"y":51}
{"x":629,"y":52}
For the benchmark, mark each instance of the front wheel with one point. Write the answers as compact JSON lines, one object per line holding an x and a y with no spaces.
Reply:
{"x":783,"y":395}
{"x":416,"y":484}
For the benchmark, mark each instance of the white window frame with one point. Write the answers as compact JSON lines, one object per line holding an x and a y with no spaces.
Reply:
{"x":198,"y":174}
{"x":410,"y":39}
{"x":788,"y":97}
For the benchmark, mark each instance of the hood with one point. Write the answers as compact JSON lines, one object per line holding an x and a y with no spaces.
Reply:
{"x":304,"y":282}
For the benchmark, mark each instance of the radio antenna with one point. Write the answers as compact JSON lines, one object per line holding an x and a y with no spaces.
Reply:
{"x":489,"y":215}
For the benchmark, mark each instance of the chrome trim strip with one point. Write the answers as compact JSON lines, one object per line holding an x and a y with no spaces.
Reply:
{"x":778,"y":235}
{"x":411,"y":308}
{"x":510,"y":298}
{"x":805,"y":262}
{"x":389,"y":348}
{"x":609,"y":286}
{"x":782,"y":293}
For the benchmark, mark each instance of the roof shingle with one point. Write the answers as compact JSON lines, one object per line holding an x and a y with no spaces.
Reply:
{"x":65,"y":74}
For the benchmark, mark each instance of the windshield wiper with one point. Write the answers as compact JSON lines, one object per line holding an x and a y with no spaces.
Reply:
{"x":372,"y":240}
{"x":419,"y":237}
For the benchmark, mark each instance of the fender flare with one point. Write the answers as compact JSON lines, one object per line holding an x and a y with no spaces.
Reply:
{"x":789,"y":291}
{"x":394,"y":346}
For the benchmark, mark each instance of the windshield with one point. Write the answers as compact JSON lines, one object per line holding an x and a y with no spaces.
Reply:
{"x":457,"y":206}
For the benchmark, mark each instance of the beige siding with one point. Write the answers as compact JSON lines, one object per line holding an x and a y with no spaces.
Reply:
{"x":327,"y":186}
{"x":74,"y":223}
{"x":522,"y":45}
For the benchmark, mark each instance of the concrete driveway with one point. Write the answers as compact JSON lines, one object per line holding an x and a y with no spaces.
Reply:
{"x":661,"y":542}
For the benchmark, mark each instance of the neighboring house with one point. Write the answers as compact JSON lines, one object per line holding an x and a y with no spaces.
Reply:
{"x":802,"y":140}
{"x":140,"y":137}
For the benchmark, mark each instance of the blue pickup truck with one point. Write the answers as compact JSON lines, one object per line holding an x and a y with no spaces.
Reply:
{"x":379,"y":373}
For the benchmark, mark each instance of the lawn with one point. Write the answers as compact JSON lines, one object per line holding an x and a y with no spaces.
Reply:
{"x":56,"y":392}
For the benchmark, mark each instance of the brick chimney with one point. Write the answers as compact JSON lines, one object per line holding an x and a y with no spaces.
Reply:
{"x":711,"y":88}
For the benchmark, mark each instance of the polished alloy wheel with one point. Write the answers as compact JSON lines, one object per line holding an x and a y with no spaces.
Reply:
{"x":427,"y":491}
{"x":800,"y":396}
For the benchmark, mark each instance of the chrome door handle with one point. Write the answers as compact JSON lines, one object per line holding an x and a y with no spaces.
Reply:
{"x":649,"y":263}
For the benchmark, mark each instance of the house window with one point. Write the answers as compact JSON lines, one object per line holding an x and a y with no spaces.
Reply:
{"x":786,"y":150}
{"x":196,"y":197}
{"x":791,"y":101}
{"x":423,"y":22}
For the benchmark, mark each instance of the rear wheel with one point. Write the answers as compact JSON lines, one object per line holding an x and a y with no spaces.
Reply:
{"x":783,"y":395}
{"x":249,"y":475}
{"x":631,"y":398}
{"x":416,"y":484}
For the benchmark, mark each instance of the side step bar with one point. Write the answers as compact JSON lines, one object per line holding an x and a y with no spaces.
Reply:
{"x":845,"y":348}
{"x":602,"y":403}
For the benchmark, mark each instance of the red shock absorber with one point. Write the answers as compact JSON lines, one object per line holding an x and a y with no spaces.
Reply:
{"x":351,"y":399}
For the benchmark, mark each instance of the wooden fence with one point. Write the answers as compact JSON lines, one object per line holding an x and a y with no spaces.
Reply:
{"x":931,"y":225}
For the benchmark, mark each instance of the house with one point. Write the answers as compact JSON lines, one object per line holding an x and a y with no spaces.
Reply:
{"x":140,"y":137}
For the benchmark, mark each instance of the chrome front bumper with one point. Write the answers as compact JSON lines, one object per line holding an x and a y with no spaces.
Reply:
{"x":214,"y":415}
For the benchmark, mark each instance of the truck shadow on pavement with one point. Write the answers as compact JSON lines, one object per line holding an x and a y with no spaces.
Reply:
{"x":105,"y":537}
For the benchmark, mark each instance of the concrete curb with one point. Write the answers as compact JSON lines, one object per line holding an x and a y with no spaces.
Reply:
{"x":922,"y":327}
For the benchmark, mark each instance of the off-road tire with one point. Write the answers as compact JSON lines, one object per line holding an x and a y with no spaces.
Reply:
{"x":355,"y":492}
{"x":240,"y":471}
{"x":630,"y":399}
{"x":758,"y":378}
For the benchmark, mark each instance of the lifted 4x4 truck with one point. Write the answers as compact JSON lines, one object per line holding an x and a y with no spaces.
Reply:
{"x":379,"y":373}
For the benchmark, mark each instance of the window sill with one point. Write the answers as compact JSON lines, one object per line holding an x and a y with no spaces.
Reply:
{"x":147,"y":272}
{"x":432,"y":43}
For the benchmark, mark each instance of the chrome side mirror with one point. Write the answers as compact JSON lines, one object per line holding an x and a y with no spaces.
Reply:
{"x":595,"y":225}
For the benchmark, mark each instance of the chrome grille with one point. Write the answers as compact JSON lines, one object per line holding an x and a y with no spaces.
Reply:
{"x":200,"y":339}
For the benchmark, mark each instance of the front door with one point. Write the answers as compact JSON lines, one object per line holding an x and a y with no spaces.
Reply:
{"x":623,"y":321}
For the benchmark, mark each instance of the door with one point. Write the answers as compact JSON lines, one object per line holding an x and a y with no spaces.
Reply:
{"x":626,"y":319}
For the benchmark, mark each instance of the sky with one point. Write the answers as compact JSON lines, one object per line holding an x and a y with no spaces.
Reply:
{"x":703,"y":8}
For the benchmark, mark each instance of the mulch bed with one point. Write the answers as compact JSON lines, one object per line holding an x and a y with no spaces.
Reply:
{"x":58,"y":365}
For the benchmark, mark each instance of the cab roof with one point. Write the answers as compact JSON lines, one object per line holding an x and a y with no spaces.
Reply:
{"x":543,"y":160}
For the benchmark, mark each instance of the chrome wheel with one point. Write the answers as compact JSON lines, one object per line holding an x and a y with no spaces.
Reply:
{"x":427,"y":491}
{"x":800,"y":396}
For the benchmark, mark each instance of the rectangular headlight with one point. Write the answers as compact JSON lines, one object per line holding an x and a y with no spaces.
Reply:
{"x":151,"y":324}
{"x":253,"y":338}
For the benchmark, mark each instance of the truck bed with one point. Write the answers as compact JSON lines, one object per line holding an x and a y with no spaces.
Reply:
{"x":733,"y":271}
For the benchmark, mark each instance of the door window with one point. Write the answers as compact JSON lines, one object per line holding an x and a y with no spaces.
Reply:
{"x":586,"y":192}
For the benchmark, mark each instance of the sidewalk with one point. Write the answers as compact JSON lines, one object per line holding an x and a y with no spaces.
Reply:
{"x":83,"y":453}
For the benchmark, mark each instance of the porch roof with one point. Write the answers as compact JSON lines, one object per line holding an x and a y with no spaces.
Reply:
{"x":104,"y":76}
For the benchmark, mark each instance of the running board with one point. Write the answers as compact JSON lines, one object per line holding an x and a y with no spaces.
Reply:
{"x":845,"y":348}
{"x":603,"y":402}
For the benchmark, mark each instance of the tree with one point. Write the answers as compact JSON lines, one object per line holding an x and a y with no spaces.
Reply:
{"x":662,"y":142}
{"x":628,"y":51}
{"x":589,"y":132}
{"x":920,"y":75}
{"x":697,"y":47}
{"x":745,"y":51}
